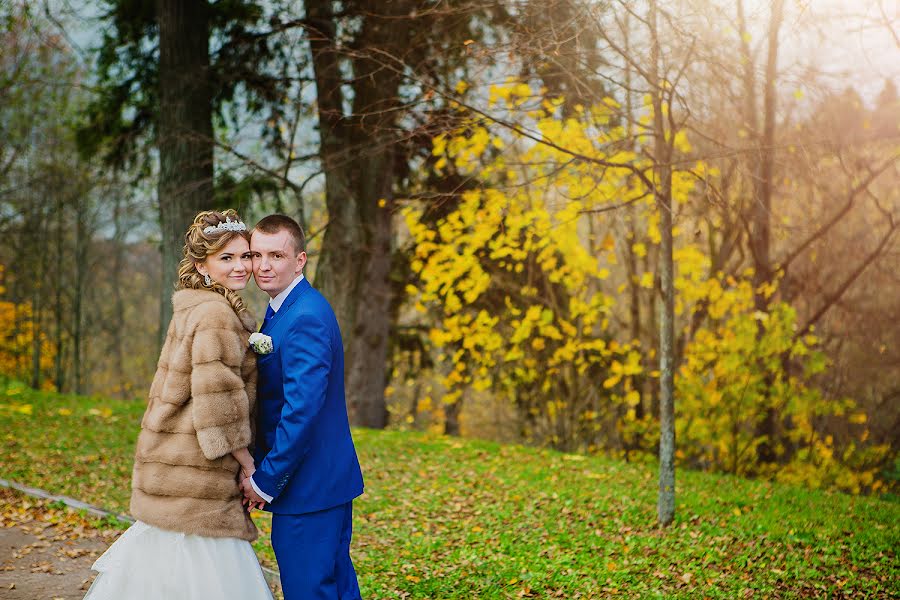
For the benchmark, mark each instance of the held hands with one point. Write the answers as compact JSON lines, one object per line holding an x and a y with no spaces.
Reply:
{"x":251,"y":498}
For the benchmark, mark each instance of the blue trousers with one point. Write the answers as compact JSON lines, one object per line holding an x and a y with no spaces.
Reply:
{"x":313,"y":553}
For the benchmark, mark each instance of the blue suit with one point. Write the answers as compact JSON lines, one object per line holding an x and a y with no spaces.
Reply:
{"x":304,"y":451}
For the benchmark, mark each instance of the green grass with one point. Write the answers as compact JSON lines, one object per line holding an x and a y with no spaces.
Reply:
{"x":449,"y":518}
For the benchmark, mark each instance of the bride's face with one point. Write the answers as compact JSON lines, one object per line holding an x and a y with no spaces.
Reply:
{"x":230,"y":266}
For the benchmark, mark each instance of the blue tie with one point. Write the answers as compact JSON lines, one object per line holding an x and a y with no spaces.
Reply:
{"x":269,"y":313}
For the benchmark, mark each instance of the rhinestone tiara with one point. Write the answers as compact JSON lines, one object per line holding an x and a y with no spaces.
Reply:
{"x":226,"y":225}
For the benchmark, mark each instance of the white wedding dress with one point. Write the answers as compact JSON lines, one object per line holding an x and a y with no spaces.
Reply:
{"x":148,"y":563}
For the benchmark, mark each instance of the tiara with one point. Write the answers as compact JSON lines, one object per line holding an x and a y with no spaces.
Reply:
{"x":226,"y":225}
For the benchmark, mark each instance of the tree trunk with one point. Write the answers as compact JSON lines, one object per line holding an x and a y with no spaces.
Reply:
{"x":663,"y":193}
{"x":185,"y":136}
{"x":36,"y":310}
{"x":82,"y":247}
{"x":413,"y":412}
{"x":118,"y":304}
{"x":38,"y":289}
{"x":634,"y":290}
{"x":761,"y":226}
{"x":760,"y":215}
{"x":81,"y":243}
{"x":358,"y":158}
{"x":367,"y":348}
{"x":451,"y":417}
{"x":631,"y":258}
{"x":59,"y":376}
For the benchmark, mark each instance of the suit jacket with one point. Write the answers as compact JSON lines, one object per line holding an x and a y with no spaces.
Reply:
{"x":304,"y":451}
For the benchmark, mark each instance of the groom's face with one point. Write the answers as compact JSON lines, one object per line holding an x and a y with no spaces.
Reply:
{"x":276,"y":262}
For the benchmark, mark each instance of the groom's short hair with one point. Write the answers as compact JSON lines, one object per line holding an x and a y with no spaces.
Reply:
{"x":276,"y":223}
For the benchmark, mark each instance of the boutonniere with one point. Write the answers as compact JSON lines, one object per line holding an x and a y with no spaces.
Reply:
{"x":261,"y":343}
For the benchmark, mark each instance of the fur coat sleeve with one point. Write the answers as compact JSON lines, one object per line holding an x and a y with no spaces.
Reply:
{"x":220,"y":404}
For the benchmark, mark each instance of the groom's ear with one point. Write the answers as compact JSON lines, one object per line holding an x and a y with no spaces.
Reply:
{"x":301,"y":260}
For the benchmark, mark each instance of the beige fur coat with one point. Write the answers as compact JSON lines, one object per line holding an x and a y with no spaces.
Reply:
{"x":199,"y":411}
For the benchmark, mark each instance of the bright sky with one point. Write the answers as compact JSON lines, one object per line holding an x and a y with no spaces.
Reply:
{"x":850,"y":40}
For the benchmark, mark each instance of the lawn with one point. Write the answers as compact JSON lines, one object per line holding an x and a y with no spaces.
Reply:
{"x":451,"y":518}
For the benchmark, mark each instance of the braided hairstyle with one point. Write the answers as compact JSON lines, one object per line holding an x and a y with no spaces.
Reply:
{"x":199,"y":245}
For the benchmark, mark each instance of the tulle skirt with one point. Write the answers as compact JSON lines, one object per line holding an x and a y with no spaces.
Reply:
{"x":147,"y":563}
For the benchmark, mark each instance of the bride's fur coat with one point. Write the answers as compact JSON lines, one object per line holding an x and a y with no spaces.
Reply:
{"x":200,"y":409}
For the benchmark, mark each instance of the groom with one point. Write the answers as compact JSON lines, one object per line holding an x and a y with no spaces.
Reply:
{"x":307,"y":469}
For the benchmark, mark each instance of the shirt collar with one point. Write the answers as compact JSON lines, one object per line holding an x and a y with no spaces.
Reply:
{"x":278,"y":300}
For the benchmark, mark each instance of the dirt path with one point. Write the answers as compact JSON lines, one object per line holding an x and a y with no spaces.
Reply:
{"x":38,"y":563}
{"x":46,"y":552}
{"x":47,"y":548}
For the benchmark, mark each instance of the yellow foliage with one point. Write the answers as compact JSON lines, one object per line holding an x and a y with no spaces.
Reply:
{"x":522,"y":304}
{"x":733,"y":374}
{"x":509,"y":233}
{"x":639,"y":249}
{"x":18,"y":344}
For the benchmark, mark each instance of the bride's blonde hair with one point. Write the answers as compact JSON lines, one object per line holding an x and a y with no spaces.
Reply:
{"x":199,"y":245}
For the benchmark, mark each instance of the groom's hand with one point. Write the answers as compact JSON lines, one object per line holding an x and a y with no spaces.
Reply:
{"x":251,"y":498}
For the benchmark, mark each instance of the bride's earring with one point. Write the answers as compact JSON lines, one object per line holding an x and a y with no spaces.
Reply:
{"x":206,"y":280}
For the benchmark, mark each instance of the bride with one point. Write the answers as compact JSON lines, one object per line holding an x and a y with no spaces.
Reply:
{"x":192,"y":537}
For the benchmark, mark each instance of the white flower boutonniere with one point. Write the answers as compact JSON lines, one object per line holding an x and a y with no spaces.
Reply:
{"x":261,"y":343}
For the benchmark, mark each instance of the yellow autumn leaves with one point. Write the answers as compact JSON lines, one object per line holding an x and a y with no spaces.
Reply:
{"x":17,"y":326}
{"x":515,"y":289}
{"x":526,"y":295}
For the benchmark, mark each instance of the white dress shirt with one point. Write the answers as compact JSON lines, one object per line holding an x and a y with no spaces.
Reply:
{"x":276,"y":303}
{"x":278,"y":300}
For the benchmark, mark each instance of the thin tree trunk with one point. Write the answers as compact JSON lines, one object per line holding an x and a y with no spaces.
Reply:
{"x":36,"y":337}
{"x":651,"y":384}
{"x":760,"y":219}
{"x":760,"y":242}
{"x":634,"y":286}
{"x":59,"y":377}
{"x":78,"y":294}
{"x":185,"y":136}
{"x":663,"y":193}
{"x":451,"y":417}
{"x":118,"y":305}
{"x":37,"y":291}
{"x":413,"y":412}
{"x":36,"y":310}
{"x":635,"y":308}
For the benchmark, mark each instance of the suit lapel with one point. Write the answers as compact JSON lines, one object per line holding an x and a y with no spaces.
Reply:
{"x":298,"y":291}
